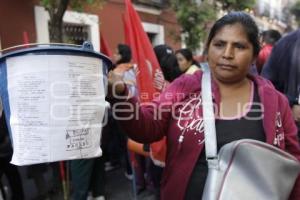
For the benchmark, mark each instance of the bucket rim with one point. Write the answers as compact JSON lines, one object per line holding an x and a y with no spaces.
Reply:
{"x":32,"y":48}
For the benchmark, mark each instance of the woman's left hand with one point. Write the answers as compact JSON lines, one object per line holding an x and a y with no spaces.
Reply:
{"x":296,"y":112}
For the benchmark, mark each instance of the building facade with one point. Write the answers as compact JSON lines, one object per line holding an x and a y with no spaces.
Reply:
{"x":20,"y":20}
{"x":274,"y":14}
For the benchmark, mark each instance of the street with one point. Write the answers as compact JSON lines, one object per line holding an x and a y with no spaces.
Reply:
{"x":118,"y":187}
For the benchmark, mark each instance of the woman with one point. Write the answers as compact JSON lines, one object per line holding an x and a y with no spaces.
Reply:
{"x":124,"y":66}
{"x":169,"y":66}
{"x":186,"y":62}
{"x":167,"y":61}
{"x":242,"y":102}
{"x":88,"y":174}
{"x":267,"y":41}
{"x":117,"y":141}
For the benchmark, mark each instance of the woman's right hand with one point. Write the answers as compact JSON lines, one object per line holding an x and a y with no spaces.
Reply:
{"x":116,"y":85}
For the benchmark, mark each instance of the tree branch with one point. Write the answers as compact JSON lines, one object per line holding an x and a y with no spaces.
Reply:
{"x":62,"y":7}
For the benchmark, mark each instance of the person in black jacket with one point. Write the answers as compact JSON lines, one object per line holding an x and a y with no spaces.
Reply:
{"x":10,"y":170}
{"x":283,"y":70}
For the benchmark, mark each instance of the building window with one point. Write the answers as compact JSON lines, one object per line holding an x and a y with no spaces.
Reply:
{"x":151,"y":37}
{"x":75,"y":33}
{"x":155,"y":33}
{"x":78,"y":27}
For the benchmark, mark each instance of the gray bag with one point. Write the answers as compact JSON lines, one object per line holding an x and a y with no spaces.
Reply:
{"x":244,"y":169}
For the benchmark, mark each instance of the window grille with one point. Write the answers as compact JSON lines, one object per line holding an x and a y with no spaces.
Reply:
{"x":75,"y":33}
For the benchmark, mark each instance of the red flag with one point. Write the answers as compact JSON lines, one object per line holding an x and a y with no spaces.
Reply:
{"x":25,"y":39}
{"x":104,"y":47}
{"x":149,"y":76}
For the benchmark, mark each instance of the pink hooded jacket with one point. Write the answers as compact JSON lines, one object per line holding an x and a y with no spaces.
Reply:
{"x":178,"y":111}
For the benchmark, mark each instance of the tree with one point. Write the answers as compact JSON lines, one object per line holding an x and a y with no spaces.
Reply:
{"x":230,"y":5}
{"x":194,"y":19}
{"x":195,"y":16}
{"x":295,"y":10}
{"x":57,"y":9}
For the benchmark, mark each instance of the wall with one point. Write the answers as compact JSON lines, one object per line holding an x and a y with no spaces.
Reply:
{"x":111,"y":24}
{"x":16,"y":16}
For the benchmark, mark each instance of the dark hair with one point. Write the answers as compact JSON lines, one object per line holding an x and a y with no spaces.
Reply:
{"x":167,"y":61}
{"x":270,"y":36}
{"x":162,"y":51}
{"x":125,"y":52}
{"x":242,"y":18}
{"x":187,"y":54}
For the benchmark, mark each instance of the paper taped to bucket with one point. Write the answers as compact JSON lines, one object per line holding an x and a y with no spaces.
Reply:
{"x":54,"y":101}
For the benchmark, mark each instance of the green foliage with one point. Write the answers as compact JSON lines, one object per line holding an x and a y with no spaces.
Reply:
{"x":236,"y":4}
{"x":48,"y":4}
{"x":194,"y":19}
{"x":45,"y":2}
{"x":295,"y":10}
{"x":77,"y":5}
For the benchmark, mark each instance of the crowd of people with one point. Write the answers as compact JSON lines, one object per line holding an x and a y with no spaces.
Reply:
{"x":269,"y":94}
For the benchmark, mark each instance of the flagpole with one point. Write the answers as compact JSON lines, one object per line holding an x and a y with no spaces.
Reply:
{"x":63,"y":178}
{"x":132,"y":161}
{"x":0,"y":48}
{"x":25,"y":38}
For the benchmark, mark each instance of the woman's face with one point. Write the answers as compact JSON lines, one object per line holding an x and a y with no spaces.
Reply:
{"x":230,"y":54}
{"x":117,"y":56}
{"x":183,"y":63}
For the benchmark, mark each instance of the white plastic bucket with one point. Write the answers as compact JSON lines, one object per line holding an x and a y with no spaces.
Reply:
{"x":54,"y":101}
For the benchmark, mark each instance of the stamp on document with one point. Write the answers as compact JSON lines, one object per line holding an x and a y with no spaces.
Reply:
{"x":78,"y":139}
